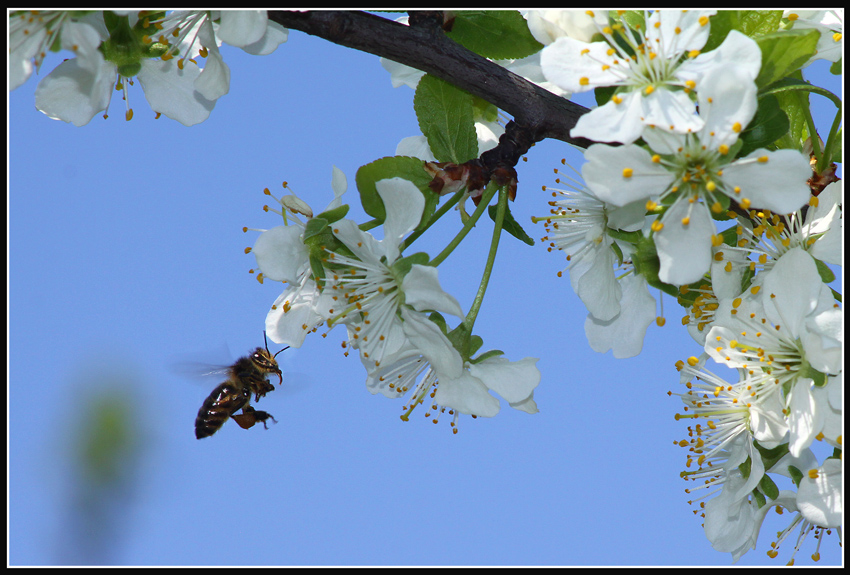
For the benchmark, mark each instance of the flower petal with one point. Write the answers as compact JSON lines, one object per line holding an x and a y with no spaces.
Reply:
{"x":74,"y":93}
{"x":624,"y":334}
{"x":242,"y":27}
{"x":422,"y":290}
{"x":606,"y":169}
{"x":466,"y":394}
{"x":171,"y":91}
{"x":280,"y":253}
{"x":772,"y":180}
{"x":684,"y":250}
{"x":513,"y":380}
{"x":404,"y":204}
{"x":821,"y":499}
{"x":432,"y":344}
{"x":613,"y":122}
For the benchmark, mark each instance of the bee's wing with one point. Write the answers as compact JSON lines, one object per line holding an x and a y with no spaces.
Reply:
{"x":202,"y":364}
{"x":200,"y":370}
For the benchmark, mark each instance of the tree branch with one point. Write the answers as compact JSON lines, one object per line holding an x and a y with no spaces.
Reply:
{"x":537,"y":112}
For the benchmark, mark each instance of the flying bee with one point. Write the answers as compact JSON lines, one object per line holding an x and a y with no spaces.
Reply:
{"x":246,"y":376}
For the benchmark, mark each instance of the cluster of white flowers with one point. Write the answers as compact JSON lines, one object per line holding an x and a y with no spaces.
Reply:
{"x":762,"y":306}
{"x":384,"y":301}
{"x":111,"y":49}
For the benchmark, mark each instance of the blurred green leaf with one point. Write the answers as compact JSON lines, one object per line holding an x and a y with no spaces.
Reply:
{"x":494,"y":34}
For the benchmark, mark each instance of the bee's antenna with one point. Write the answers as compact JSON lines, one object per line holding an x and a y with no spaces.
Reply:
{"x":267,"y":345}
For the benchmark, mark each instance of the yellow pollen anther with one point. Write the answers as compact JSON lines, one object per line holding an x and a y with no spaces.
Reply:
{"x":627,"y":172}
{"x":736,"y":127}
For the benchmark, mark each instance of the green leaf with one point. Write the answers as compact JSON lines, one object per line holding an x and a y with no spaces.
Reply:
{"x":826,"y":274}
{"x":746,"y":468}
{"x":768,"y":487}
{"x":635,"y":19}
{"x":314,"y":227}
{"x":721,"y":23}
{"x":768,"y":125}
{"x":316,"y":267}
{"x":795,"y":104}
{"x":758,"y":22}
{"x":438,"y":319}
{"x":486,"y":355}
{"x":318,"y":237}
{"x":403,"y":265}
{"x":446,"y":118}
{"x":495,"y":34}
{"x":753,"y":23}
{"x":510,"y":225}
{"x":484,"y":111}
{"x":796,"y":475}
{"x":771,"y":457}
{"x":836,"y":67}
{"x":475,"y":343}
{"x":335,"y":214}
{"x":604,"y":94}
{"x":836,"y":151}
{"x":648,"y":265}
{"x":784,"y":52}
{"x":461,"y":339}
{"x":411,"y":169}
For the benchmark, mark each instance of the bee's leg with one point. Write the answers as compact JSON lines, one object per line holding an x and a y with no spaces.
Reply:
{"x":264,"y":416}
{"x":251,"y":416}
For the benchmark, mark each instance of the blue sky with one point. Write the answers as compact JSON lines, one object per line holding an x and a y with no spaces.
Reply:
{"x":126,"y":254}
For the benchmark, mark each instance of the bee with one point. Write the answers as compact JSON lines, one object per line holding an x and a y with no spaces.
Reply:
{"x":247,"y":376}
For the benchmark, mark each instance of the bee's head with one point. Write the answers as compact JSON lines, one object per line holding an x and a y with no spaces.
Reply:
{"x":267,"y":360}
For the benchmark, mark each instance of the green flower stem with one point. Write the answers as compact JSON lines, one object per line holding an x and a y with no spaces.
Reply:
{"x":813,"y":133}
{"x":488,"y":194}
{"x":436,"y":216}
{"x":501,"y":208}
{"x":831,"y":140}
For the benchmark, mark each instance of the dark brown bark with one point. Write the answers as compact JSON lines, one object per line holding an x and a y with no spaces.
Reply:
{"x":537,"y":113}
